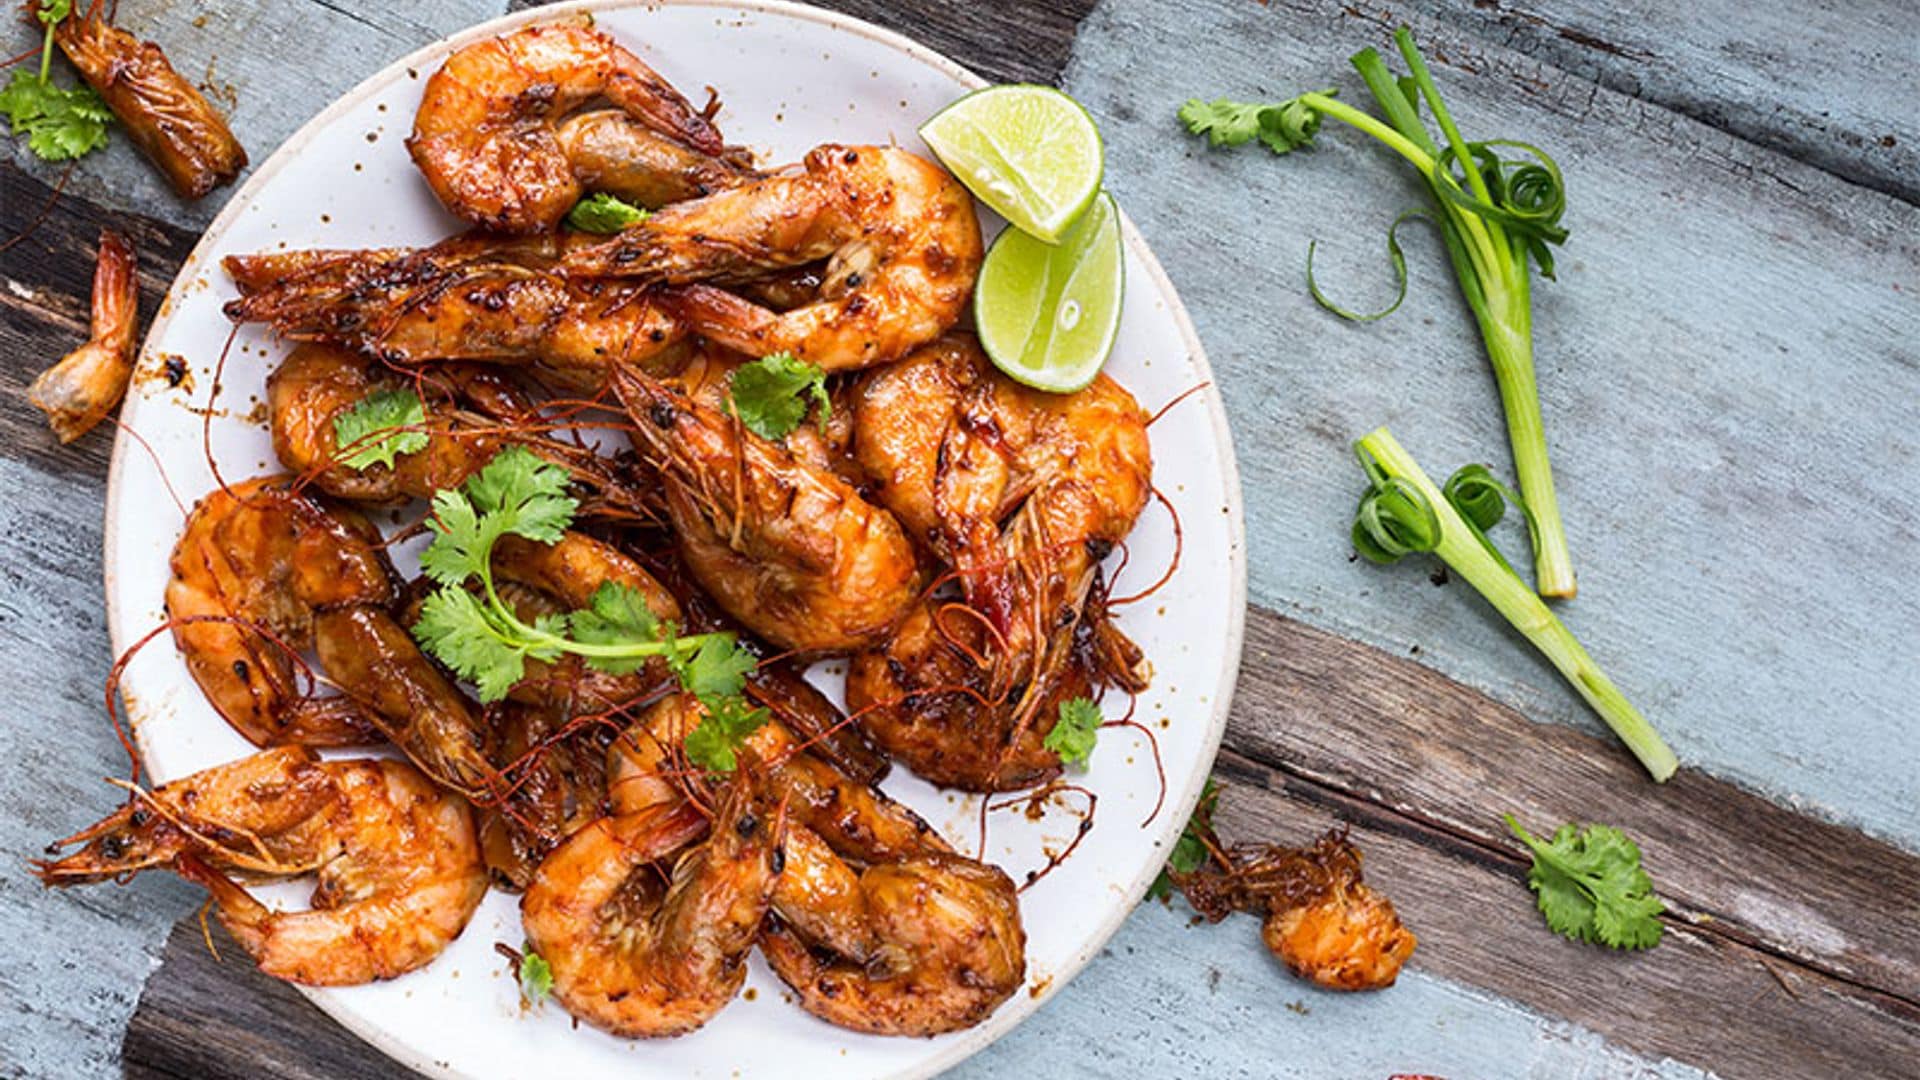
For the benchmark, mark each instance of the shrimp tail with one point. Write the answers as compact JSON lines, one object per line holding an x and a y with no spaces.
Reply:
{"x":79,"y":391}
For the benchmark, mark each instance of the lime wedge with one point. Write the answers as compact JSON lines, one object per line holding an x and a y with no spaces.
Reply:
{"x":1047,"y":315}
{"x":1030,"y":152}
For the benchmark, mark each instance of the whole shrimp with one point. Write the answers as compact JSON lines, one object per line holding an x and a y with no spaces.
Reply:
{"x":1023,"y":493}
{"x":262,"y":572}
{"x":900,"y":236}
{"x":163,"y":114}
{"x":785,"y":546}
{"x":880,"y":926}
{"x":398,"y":871}
{"x":80,"y":390}
{"x":460,"y":301}
{"x":642,"y":957}
{"x":472,"y":412}
{"x":485,"y":136}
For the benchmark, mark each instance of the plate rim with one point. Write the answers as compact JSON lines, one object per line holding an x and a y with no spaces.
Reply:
{"x":1181,"y":804}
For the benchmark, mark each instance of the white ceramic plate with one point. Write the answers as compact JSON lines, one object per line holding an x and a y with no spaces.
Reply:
{"x":791,"y":77}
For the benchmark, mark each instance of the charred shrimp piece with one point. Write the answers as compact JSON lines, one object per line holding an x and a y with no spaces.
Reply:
{"x":786,"y":547}
{"x":162,"y":112}
{"x":646,"y":919}
{"x":80,"y":390}
{"x":900,"y":236}
{"x":920,"y":945}
{"x":263,"y":572}
{"x":398,"y":871}
{"x":1320,"y":918}
{"x":556,"y":786}
{"x":485,"y":135}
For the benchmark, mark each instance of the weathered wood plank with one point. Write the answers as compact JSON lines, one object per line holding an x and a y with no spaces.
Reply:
{"x":1003,"y":42}
{"x":1701,"y":996}
{"x":1387,"y":731}
{"x":1838,"y":98}
{"x":220,"y":1019}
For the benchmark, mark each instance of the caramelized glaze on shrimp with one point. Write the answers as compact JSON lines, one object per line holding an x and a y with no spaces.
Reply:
{"x":484,"y":137}
{"x":472,"y":412}
{"x":640,"y":956}
{"x":460,"y":300}
{"x":900,"y":235}
{"x":261,"y":556}
{"x":398,"y":870}
{"x":162,"y":113}
{"x":788,"y":548}
{"x":880,"y":926}
{"x":80,"y":390}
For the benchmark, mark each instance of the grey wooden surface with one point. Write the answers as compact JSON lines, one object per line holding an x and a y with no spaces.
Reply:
{"x":1731,"y":382}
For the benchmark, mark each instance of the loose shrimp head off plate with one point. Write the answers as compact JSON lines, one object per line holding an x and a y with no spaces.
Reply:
{"x":829,"y":81}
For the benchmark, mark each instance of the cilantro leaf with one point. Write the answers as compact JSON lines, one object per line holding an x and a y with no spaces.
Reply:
{"x":603,"y":213}
{"x":536,"y":977}
{"x":59,"y":124}
{"x":528,"y":494}
{"x":717,"y":669}
{"x":455,"y":626}
{"x":1280,"y":126}
{"x":616,"y":615}
{"x":1190,"y":851}
{"x":771,"y":394}
{"x":1592,"y":887}
{"x":726,"y":725}
{"x":467,"y":627}
{"x":1073,"y":735}
{"x":372,"y":428}
{"x":51,"y":12}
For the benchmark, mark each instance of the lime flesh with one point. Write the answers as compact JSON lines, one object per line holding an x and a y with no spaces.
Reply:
{"x":1030,"y":152}
{"x":1047,"y":315}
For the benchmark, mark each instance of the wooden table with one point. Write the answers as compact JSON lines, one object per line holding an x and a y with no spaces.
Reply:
{"x":1731,"y":370}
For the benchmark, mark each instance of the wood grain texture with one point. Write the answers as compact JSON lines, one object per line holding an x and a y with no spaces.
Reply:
{"x":44,"y":305}
{"x":1837,"y":98}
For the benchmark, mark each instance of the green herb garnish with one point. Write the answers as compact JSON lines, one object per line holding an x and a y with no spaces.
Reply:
{"x":59,"y":124}
{"x":604,"y":214}
{"x":1402,"y":512}
{"x":536,"y":977}
{"x":771,"y":395}
{"x":1074,"y":734}
{"x":481,"y":638}
{"x":1592,"y":887}
{"x":380,"y":427}
{"x":1495,"y":217}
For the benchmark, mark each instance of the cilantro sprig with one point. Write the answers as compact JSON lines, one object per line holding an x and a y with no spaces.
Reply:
{"x":771,"y":395}
{"x":1592,"y":887}
{"x":59,"y":124}
{"x":484,"y":641}
{"x":1190,"y":851}
{"x":604,"y":214}
{"x":1498,"y":205}
{"x":380,"y":427}
{"x":1076,"y":731}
